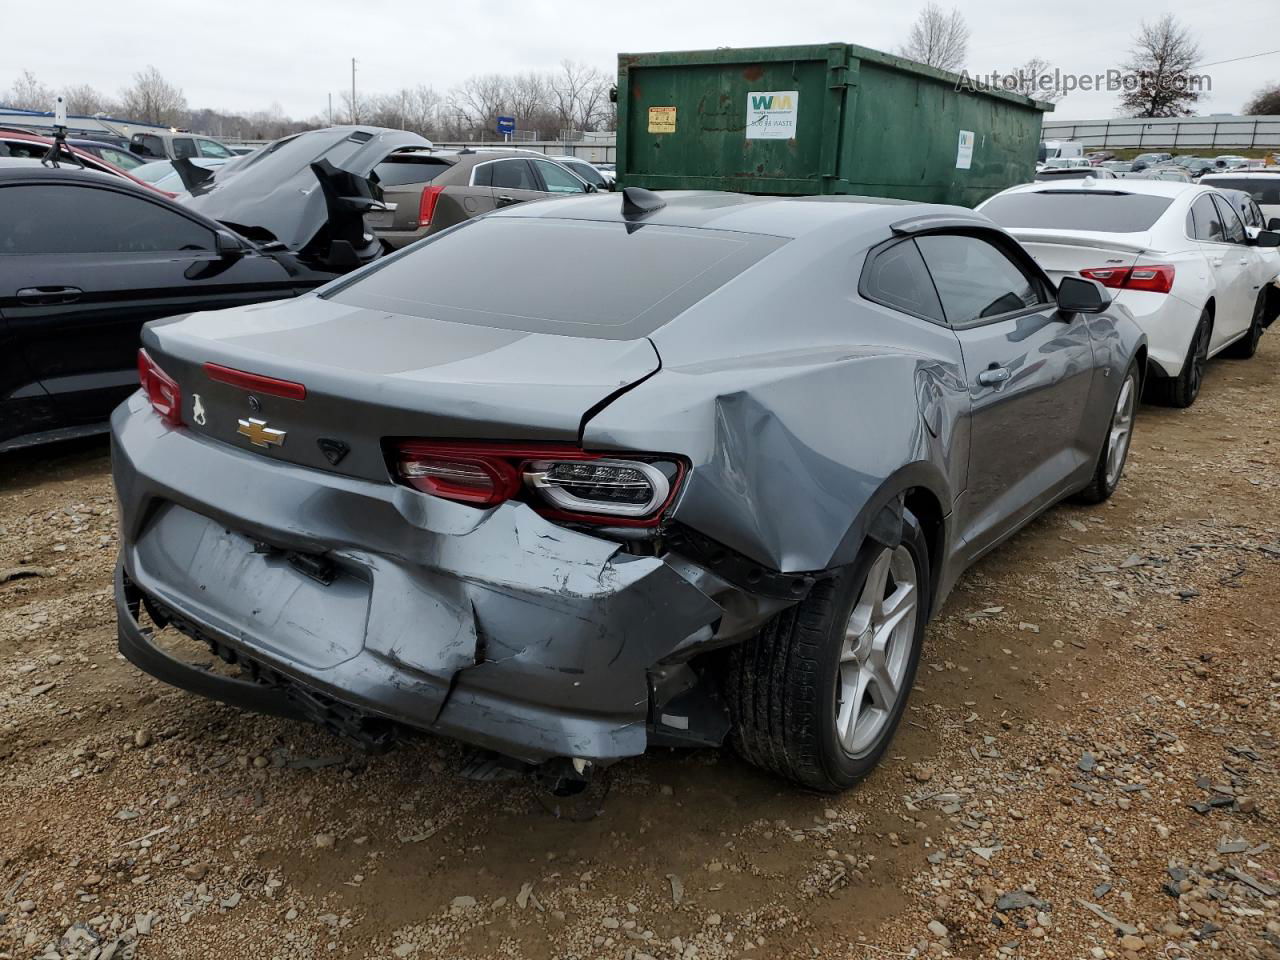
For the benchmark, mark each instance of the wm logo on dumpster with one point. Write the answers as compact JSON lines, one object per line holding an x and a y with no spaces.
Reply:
{"x":769,"y":101}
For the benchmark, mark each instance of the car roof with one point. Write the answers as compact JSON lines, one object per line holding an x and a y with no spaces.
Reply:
{"x":19,"y":168}
{"x":1242,"y":174}
{"x":789,"y":217}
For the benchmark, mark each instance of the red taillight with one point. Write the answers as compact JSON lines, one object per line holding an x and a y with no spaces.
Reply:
{"x":560,"y":481}
{"x":427,"y":205}
{"x":256,"y":382}
{"x":161,"y":390}
{"x":1152,"y":279}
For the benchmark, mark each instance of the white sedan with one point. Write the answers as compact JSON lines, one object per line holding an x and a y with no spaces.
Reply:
{"x":1177,"y":255}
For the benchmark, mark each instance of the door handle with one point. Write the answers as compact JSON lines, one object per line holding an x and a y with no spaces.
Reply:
{"x":1216,"y":261}
{"x":34,"y":295}
{"x":1244,"y":261}
{"x":504,"y":199}
{"x":993,"y":376}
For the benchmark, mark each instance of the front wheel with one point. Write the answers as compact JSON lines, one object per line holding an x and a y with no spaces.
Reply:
{"x":817,"y":695}
{"x":1115,"y":446}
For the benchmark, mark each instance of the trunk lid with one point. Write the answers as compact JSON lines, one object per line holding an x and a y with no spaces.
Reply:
{"x":370,"y":375}
{"x":1063,"y":252}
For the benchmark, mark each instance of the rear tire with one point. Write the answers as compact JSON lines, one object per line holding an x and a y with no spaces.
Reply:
{"x":1182,"y":390}
{"x":1115,"y":445}
{"x":1247,"y":346}
{"x":817,"y":695}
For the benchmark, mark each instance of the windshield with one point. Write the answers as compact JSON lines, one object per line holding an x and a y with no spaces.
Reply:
{"x":1265,"y":190}
{"x":1091,"y":210}
{"x":610,"y":281}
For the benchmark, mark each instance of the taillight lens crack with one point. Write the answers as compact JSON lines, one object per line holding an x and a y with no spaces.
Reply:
{"x":161,"y":389}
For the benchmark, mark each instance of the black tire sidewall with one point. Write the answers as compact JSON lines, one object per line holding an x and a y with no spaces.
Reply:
{"x":840,"y":768}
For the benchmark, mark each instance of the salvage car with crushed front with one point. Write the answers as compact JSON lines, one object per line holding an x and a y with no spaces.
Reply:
{"x":700,"y":470}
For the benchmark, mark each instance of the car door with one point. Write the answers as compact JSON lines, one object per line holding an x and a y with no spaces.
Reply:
{"x":512,"y":180}
{"x":558,"y":181}
{"x":1230,"y":264}
{"x":25,"y":406}
{"x":1259,"y":264}
{"x":83,"y":266}
{"x":1029,"y":370}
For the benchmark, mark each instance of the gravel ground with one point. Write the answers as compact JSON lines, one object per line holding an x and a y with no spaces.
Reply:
{"x":1088,"y":768}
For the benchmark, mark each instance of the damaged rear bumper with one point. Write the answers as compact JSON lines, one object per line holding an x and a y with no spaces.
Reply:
{"x":369,"y":607}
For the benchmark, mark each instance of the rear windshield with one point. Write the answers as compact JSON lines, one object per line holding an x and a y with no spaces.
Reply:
{"x":1094,"y":210}
{"x":400,"y":172}
{"x":1263,"y":189}
{"x":609,"y":281}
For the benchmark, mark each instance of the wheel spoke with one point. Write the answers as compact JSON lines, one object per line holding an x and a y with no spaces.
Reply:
{"x":877,"y":581}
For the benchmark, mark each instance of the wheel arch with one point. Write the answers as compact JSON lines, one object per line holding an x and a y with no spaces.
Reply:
{"x":919,"y":487}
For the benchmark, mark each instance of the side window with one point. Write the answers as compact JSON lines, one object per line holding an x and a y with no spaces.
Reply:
{"x":1208,"y":222}
{"x":976,"y":280}
{"x":898,"y":278}
{"x":33,"y":219}
{"x":513,"y":175}
{"x":212,"y":148}
{"x":152,"y":146}
{"x":1253,"y":215}
{"x":1231,"y":221}
{"x":482,"y":175}
{"x":558,"y":179}
{"x":184,"y":147}
{"x":125,"y":161}
{"x":587,"y":172}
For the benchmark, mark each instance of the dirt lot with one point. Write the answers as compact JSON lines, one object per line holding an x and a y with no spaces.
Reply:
{"x":1088,"y":768}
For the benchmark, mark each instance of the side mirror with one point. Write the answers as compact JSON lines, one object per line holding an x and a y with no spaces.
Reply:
{"x":592,"y":188}
{"x":1268,"y":238}
{"x":227,"y":244}
{"x":1078,"y":295}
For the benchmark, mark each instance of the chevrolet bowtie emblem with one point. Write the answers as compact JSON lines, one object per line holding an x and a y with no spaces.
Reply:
{"x":259,"y":434}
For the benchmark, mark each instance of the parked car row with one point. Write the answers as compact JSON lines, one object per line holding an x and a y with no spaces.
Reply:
{"x":75,"y":288}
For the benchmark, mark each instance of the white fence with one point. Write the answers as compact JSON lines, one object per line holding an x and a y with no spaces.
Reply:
{"x":1210,"y":134}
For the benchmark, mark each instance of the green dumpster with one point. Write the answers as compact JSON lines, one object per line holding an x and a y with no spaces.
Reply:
{"x":823,"y":119}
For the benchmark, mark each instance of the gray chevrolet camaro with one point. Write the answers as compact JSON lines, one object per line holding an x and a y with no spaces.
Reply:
{"x":586,"y":475}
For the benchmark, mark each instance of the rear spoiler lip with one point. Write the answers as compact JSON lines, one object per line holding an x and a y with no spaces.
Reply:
{"x":1073,"y":239}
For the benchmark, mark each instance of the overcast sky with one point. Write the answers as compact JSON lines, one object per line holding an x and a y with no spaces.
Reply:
{"x":242,"y":56}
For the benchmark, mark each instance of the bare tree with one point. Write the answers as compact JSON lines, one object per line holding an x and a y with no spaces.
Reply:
{"x":1266,"y":102}
{"x":579,"y":95}
{"x":84,"y":100}
{"x":1160,"y":63}
{"x":153,"y":99}
{"x":1036,"y":80}
{"x":478,"y":101}
{"x":28,"y":93}
{"x":937,"y":38}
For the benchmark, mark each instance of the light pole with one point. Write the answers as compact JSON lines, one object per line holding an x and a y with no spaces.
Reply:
{"x":355,"y":117}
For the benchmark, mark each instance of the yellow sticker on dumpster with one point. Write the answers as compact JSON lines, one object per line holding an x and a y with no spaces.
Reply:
{"x":662,"y":119}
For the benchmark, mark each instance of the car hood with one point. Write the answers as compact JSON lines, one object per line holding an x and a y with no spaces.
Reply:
{"x":274,"y":194}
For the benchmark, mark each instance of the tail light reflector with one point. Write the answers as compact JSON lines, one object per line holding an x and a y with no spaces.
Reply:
{"x":562,"y":482}
{"x":1157,"y":278}
{"x":427,"y":205}
{"x":161,"y":390}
